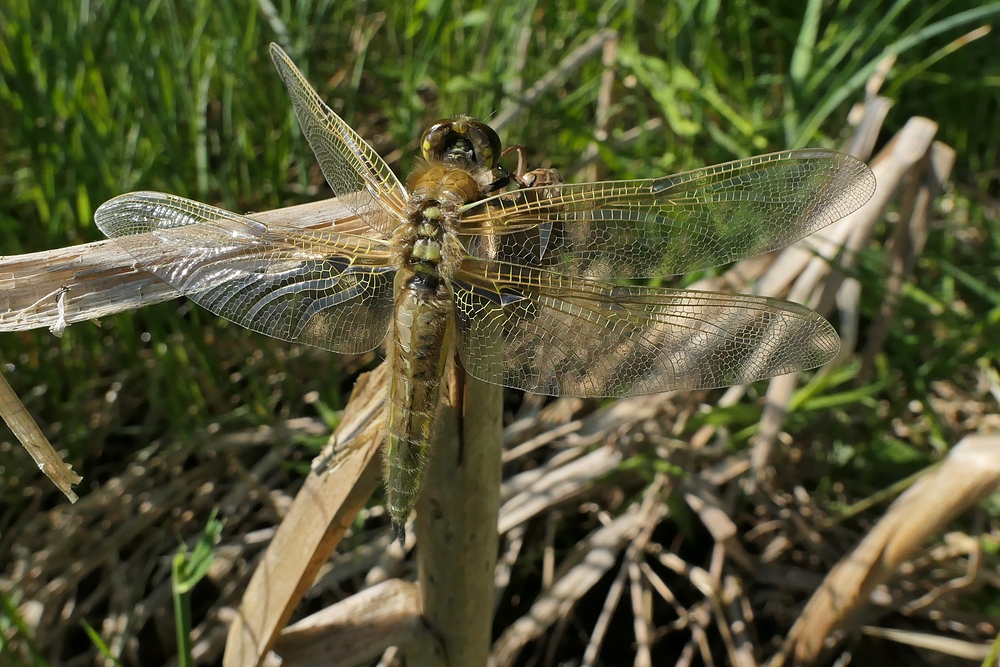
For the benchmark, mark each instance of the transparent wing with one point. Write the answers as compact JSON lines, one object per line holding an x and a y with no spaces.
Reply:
{"x":357,"y":174}
{"x":321,"y":288}
{"x":548,"y":333}
{"x":675,"y":224}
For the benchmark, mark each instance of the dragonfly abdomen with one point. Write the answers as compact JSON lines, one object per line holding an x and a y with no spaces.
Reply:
{"x":422,"y":339}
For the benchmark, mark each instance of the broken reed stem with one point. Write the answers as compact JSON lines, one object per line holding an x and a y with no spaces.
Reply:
{"x":26,"y":429}
{"x":457,"y":527}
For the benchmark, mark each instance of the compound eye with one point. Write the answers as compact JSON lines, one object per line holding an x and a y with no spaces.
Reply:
{"x":437,"y":139}
{"x":462,"y":140}
{"x":485,"y":142}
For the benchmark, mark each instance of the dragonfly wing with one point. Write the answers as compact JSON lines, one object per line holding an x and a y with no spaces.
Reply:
{"x":675,"y":224}
{"x":325,"y":289}
{"x":357,"y":174}
{"x":548,"y":333}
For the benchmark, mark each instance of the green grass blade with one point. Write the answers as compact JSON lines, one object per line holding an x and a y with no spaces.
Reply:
{"x":856,"y":82}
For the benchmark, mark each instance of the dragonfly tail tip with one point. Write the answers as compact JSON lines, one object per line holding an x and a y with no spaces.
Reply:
{"x":399,"y":532}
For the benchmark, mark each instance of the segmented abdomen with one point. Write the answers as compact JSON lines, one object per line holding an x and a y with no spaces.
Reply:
{"x":422,"y":337}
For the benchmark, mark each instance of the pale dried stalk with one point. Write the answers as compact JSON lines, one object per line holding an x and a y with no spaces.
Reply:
{"x":456,"y":528}
{"x":55,"y":288}
{"x":127,"y":514}
{"x":563,"y":477}
{"x":599,"y":552}
{"x":970,"y":472}
{"x":393,"y":657}
{"x":866,"y":134}
{"x":30,"y":435}
{"x":609,"y":56}
{"x":740,"y":622}
{"x":505,"y":564}
{"x":702,"y":500}
{"x":717,"y":601}
{"x":904,"y":151}
{"x":810,"y":263}
{"x":320,"y":515}
{"x":653,"y":510}
{"x":545,"y":438}
{"x":611,"y":600}
{"x":772,"y":274}
{"x":958,"y":648}
{"x":905,"y":246}
{"x":558,"y":486}
{"x":557,"y":75}
{"x":683,"y":619}
{"x":642,"y":617}
{"x":699,"y":637}
{"x":357,"y":630}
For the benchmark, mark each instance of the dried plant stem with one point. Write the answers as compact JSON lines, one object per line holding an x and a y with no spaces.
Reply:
{"x":457,"y":527}
{"x":969,"y":472}
{"x":56,"y":288}
{"x":323,"y":511}
{"x":26,"y":429}
{"x":556,"y":76}
{"x":356,"y":630}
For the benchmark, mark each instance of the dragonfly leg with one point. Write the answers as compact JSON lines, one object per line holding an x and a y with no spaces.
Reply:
{"x":522,"y":161}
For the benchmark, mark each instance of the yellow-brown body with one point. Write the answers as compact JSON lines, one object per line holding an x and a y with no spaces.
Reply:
{"x":423,"y":329}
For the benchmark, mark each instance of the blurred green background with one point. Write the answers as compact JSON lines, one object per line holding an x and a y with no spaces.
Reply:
{"x":100,"y":97}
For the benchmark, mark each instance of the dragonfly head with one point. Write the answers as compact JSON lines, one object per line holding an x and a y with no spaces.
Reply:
{"x":461,"y":142}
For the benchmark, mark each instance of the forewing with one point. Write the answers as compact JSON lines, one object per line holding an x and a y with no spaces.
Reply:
{"x":552,"y":334}
{"x":357,"y":174}
{"x":326,"y":289}
{"x":676,"y":224}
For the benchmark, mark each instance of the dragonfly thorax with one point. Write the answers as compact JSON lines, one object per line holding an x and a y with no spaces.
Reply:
{"x":426,"y":244}
{"x":447,"y":188}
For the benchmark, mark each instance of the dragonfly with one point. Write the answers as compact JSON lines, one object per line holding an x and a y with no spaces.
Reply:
{"x":531,"y":283}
